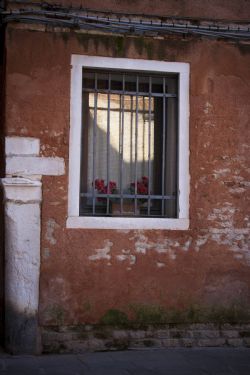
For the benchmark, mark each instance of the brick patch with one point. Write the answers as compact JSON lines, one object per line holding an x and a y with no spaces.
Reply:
{"x":78,"y":339}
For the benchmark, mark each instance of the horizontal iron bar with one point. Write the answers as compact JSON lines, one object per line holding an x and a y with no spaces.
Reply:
{"x":118,"y":110}
{"x":130,"y":196}
{"x":132,"y":93}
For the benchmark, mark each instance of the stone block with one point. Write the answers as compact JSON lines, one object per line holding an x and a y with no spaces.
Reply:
{"x":211,"y":342}
{"x":230,"y":334}
{"x":244,"y":333}
{"x":171,"y":343}
{"x":152,"y":343}
{"x":120,"y":334}
{"x":76,"y":346}
{"x":162,"y":333}
{"x":97,"y":344}
{"x":206,"y":334}
{"x":31,"y":165}
{"x":246,"y":342}
{"x":187,"y":342}
{"x":178,"y":334}
{"x":234,"y":342}
{"x":137,"y":334}
{"x":22,"y":146}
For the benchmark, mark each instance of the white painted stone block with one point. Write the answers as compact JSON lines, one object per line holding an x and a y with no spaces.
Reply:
{"x":30,"y":165}
{"x":22,"y":146}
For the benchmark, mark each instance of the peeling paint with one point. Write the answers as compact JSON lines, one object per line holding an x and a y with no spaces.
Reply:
{"x":51,"y":225}
{"x":166,"y":246}
{"x":46,"y":253}
{"x":201,"y":240}
{"x":208,"y":108}
{"x":131,"y":258}
{"x":221,"y":172}
{"x":103,"y":253}
{"x":160,"y":264}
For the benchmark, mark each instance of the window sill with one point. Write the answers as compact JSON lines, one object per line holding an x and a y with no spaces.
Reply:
{"x":89,"y":222}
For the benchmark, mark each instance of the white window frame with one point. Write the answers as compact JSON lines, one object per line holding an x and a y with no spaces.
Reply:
{"x":78,"y":62}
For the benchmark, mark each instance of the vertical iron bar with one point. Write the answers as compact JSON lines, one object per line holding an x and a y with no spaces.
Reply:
{"x":131,"y":136}
{"x":122,"y":139}
{"x":120,"y":127}
{"x":143,"y":133}
{"x":136,"y":139}
{"x":149,"y":146}
{"x":163,"y":146}
{"x":108,"y":141}
{"x":94,"y":142}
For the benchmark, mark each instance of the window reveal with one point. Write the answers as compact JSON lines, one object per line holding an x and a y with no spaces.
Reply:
{"x":129,"y":144}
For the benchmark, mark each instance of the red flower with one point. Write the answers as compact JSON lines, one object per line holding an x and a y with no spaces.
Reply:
{"x":105,"y":189}
{"x":142,"y":186}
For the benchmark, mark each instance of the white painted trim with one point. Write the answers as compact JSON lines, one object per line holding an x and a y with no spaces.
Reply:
{"x":128,"y":64}
{"x":75,"y":140}
{"x":74,"y":221}
{"x":183,"y":145}
{"x":89,"y":222}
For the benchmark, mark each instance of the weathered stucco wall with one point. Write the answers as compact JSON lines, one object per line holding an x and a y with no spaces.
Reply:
{"x":86,"y":272}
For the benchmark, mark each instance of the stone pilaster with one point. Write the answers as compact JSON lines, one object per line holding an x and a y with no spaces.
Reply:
{"x":22,"y":264}
{"x":22,"y":195}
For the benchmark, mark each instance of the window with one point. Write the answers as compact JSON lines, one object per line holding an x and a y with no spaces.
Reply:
{"x":128,"y":144}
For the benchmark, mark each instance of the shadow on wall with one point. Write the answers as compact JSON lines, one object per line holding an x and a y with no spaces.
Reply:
{"x":22,"y":334}
{"x":2,"y":174}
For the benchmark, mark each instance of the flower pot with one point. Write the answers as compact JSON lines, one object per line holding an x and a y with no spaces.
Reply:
{"x":128,"y":209}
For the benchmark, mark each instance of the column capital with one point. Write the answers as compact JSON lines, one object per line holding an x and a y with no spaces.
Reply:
{"x":22,"y":190}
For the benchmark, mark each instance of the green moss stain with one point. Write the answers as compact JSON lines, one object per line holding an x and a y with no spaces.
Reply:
{"x":143,"y":316}
{"x":56,"y":313}
{"x":115,"y":318}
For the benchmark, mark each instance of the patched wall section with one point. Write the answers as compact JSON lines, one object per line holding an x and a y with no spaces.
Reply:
{"x":84,"y":273}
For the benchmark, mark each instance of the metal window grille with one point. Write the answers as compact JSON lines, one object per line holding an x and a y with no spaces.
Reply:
{"x":129,"y":144}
